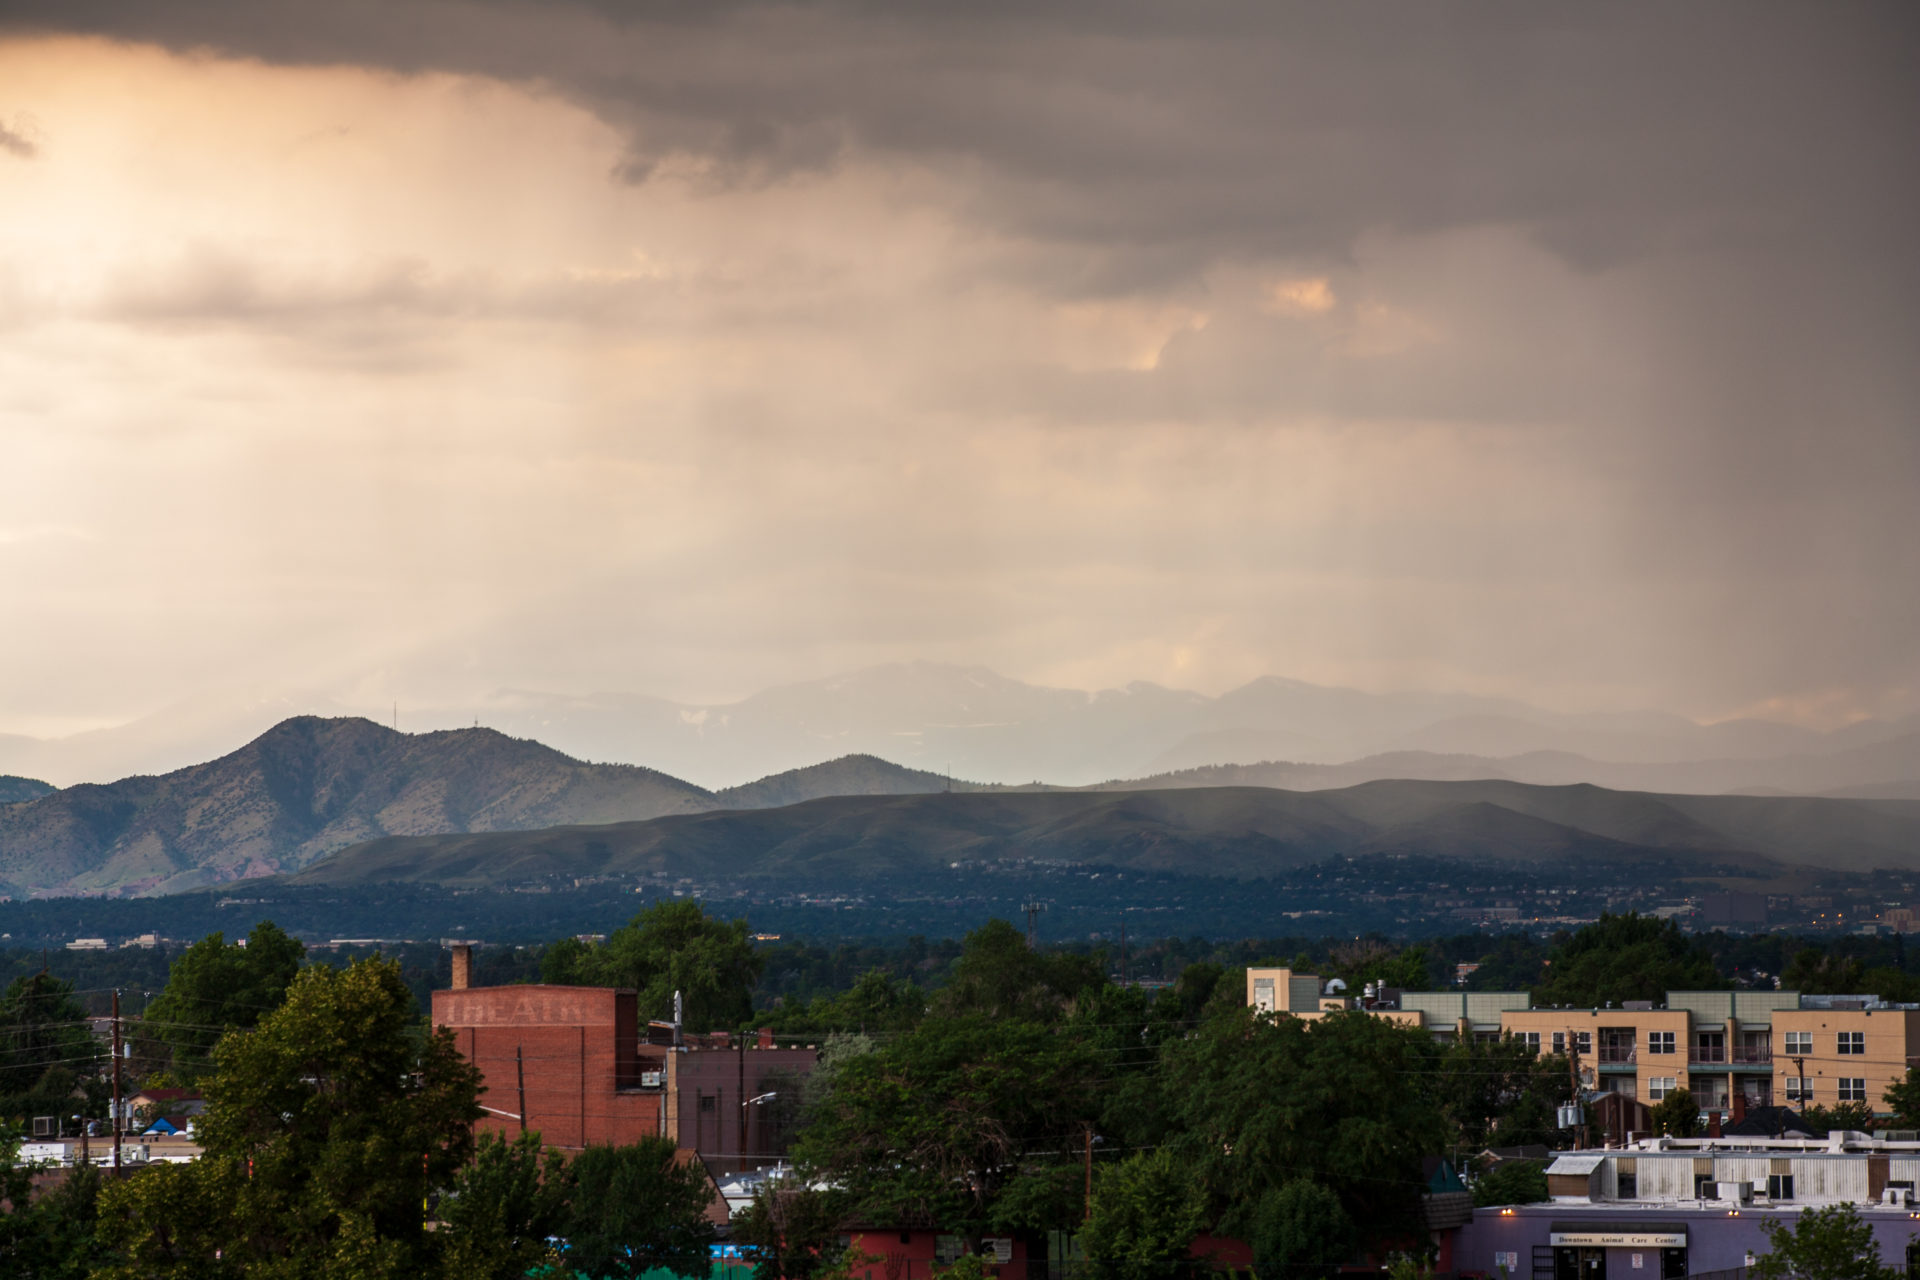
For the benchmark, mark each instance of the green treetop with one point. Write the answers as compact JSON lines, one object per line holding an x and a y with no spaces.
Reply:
{"x":1625,"y":957}
{"x":1343,"y":1102}
{"x":669,"y":947}
{"x":215,"y":987}
{"x":326,"y":1127}
{"x":45,"y":1045}
{"x":1823,"y":1244}
{"x":961,"y":1124}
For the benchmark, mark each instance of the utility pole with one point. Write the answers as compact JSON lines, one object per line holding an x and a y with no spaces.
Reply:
{"x":520,"y":1080}
{"x":741,"y":1150}
{"x":1573,"y":1073}
{"x":1089,"y":1209}
{"x":118,"y":1119}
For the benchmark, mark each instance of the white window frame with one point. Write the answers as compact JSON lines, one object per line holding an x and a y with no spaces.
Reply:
{"x":1853,"y":1088}
{"x":1850,"y":1044}
{"x":1531,"y":1039}
{"x":1798,"y":1088}
{"x":1658,"y":1087}
{"x":1800,"y":1042}
{"x":1660,"y":1041}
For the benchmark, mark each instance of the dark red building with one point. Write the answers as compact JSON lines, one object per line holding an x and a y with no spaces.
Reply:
{"x":581,"y":1068}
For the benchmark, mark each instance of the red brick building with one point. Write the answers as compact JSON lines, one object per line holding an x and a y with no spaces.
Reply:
{"x":591,"y":1072}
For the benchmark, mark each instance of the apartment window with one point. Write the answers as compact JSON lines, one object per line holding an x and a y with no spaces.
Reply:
{"x":1799,"y":1088}
{"x":1583,"y":1041}
{"x":1780,"y":1186}
{"x":1531,"y":1039}
{"x":1852,"y":1042}
{"x":706,"y":1102}
{"x":1799,"y":1042}
{"x":1710,"y":1046}
{"x":1263,"y":994}
{"x":1559,"y":1042}
{"x":1659,"y":1087}
{"x":1659,"y":1042}
{"x":1853,"y":1089}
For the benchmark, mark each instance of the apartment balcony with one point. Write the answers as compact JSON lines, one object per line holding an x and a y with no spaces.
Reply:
{"x":1712,"y":1056}
{"x":1757,"y":1058}
{"x":1615,"y":1058}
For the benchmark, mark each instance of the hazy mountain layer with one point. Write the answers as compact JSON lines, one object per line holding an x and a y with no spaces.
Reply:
{"x":1240,"y":832}
{"x":1885,"y":770}
{"x":973,"y":723}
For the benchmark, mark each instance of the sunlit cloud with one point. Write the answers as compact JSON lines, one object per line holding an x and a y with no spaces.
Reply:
{"x":1302,"y":297}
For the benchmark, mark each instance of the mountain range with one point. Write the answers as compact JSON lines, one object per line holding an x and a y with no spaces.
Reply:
{"x":974,"y":723}
{"x":1236,"y":832}
{"x":312,"y":787}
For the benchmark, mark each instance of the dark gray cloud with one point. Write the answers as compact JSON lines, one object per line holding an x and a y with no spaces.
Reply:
{"x":1139,"y":142}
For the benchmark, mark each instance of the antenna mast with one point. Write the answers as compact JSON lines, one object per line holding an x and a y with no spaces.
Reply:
{"x":1033,"y":910}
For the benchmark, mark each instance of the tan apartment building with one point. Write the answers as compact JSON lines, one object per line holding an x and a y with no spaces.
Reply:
{"x":1763,"y":1048}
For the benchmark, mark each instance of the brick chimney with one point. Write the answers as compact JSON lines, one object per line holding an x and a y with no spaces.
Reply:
{"x":1739,"y":1107}
{"x":462,"y":966}
{"x":1713,"y":1124}
{"x":766,"y":1037}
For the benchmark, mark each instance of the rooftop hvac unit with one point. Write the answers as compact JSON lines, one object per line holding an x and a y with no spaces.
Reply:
{"x":46,"y":1126}
{"x":650,"y":1079}
{"x":1738,"y":1192}
{"x":1896,"y":1195}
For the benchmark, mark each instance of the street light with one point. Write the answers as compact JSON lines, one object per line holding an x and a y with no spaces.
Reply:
{"x":762,"y":1098}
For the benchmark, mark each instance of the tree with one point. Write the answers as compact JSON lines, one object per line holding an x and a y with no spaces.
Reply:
{"x":635,"y":1209}
{"x":45,"y":1045}
{"x":794,"y":1232}
{"x":1146,"y":1213}
{"x":173,"y":1222}
{"x":1000,"y":976}
{"x":1301,"y":1229}
{"x":1903,"y":1099}
{"x":935,"y":1127}
{"x":1343,"y":1102}
{"x":1677,"y":1115}
{"x":1852,"y":1116}
{"x":875,"y":1002}
{"x":214,"y":987}
{"x":1371,"y":960}
{"x":1500,"y":1091}
{"x":326,"y":1127}
{"x":498,"y":1214}
{"x":1824,"y":1244}
{"x":1814,"y":971}
{"x":669,"y":947}
{"x":1625,"y":957}
{"x":1511,"y":1182}
{"x":53,"y":1236}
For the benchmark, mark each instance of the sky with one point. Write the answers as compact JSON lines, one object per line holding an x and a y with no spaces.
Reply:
{"x":418,"y":350}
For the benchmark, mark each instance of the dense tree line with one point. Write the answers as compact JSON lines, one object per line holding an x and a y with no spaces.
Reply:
{"x":982,"y":1088}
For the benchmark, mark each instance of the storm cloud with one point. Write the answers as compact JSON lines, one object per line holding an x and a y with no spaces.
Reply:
{"x":1561,"y":353}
